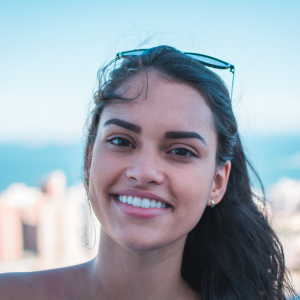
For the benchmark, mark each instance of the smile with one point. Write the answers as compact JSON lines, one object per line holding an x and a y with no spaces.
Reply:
{"x":140,"y":207}
{"x":142,"y":203}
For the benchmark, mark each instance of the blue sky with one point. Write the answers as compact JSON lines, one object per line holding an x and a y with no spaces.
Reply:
{"x":51,"y":50}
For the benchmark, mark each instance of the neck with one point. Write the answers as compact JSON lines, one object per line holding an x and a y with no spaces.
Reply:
{"x":119,"y":273}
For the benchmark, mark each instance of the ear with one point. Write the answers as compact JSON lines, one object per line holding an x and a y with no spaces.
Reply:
{"x":88,"y":163}
{"x":220,"y":183}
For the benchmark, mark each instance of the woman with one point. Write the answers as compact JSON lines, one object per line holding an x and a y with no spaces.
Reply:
{"x":167,"y":177}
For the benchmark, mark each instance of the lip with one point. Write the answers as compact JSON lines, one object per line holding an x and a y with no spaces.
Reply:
{"x":142,"y":195}
{"x":138,"y":212}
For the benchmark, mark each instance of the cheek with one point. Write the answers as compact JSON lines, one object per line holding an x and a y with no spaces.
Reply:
{"x":104,"y":169}
{"x":104,"y":172}
{"x":192,"y":190}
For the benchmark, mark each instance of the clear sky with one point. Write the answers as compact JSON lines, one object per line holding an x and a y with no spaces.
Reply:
{"x":50,"y":52}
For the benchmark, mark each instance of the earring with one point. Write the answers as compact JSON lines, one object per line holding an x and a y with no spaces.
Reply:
{"x":213,"y":203}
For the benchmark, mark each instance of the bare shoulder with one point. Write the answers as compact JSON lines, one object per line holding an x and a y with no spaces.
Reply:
{"x":57,"y":284}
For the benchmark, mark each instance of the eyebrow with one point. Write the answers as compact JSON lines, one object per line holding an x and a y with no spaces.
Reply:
{"x":124,"y":124}
{"x":184,"y":135}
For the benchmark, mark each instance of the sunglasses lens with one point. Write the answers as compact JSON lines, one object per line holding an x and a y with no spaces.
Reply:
{"x":132,"y":53}
{"x":209,"y":61}
{"x":206,"y":60}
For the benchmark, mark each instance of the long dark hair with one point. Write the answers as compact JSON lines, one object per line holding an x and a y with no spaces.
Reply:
{"x":232,"y":253}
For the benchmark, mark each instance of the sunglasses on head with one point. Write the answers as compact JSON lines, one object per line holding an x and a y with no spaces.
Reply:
{"x":206,"y":60}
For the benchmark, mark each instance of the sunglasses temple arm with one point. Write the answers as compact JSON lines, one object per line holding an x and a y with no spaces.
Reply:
{"x":232,"y":71}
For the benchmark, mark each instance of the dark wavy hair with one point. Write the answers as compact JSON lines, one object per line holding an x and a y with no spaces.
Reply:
{"x":232,"y":253}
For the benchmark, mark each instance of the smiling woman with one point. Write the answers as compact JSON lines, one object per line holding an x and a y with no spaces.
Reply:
{"x":157,"y":149}
{"x":167,"y":177}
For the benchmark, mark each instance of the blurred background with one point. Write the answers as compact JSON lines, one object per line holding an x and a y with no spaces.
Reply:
{"x":49,"y":56}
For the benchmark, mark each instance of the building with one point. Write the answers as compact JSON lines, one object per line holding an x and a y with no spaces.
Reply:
{"x":50,"y":226}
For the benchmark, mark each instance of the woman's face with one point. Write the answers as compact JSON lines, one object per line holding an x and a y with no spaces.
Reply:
{"x":161,"y":147}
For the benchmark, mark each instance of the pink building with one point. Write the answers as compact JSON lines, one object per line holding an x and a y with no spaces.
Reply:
{"x":42,"y":228}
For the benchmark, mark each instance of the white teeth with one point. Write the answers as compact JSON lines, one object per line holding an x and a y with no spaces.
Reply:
{"x":129,"y":200}
{"x":152,"y":203}
{"x":137,"y":202}
{"x":145,"y":203}
{"x":158,"y":204}
{"x":124,"y":199}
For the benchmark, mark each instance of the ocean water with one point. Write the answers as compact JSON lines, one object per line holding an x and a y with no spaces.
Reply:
{"x":273,"y":157}
{"x":20,"y":163}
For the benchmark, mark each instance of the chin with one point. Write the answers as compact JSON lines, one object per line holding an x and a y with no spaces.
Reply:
{"x":141,"y":242}
{"x":141,"y":247}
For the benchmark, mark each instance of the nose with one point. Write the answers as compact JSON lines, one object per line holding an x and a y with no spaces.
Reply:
{"x":146,"y":168}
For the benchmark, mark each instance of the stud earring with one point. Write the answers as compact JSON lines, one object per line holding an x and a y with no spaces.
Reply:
{"x":213,"y":203}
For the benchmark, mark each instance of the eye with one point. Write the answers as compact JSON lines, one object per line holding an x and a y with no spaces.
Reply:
{"x":121,"y":142}
{"x":182,"y":152}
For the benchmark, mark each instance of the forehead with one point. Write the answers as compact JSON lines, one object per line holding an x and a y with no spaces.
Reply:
{"x":161,"y":104}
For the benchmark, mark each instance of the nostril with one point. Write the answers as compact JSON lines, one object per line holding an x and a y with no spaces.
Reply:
{"x":145,"y":174}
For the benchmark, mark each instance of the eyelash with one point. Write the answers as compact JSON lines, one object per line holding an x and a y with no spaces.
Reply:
{"x":180,"y":148}
{"x":185,"y":149}
{"x":120,"y":138}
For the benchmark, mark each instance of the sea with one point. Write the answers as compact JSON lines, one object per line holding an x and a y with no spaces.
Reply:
{"x":273,"y":157}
